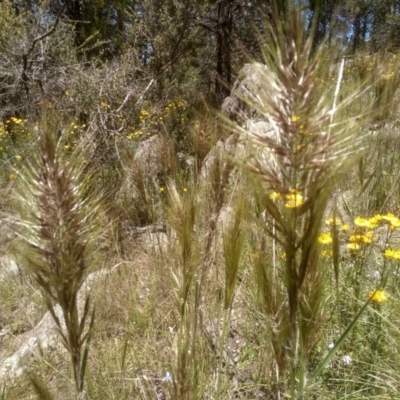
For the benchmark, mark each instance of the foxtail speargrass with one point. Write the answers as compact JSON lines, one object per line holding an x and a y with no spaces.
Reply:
{"x":294,"y":169}
{"x":182,"y":218}
{"x":58,"y":221}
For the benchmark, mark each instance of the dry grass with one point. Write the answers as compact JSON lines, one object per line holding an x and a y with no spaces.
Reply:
{"x":233,"y":298}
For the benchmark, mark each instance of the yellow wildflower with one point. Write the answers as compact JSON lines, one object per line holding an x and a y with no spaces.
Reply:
{"x":395,"y":223}
{"x":294,"y":199}
{"x":325,"y":238}
{"x":364,"y":223}
{"x":345,"y":227}
{"x":378,"y":296}
{"x":18,"y":157}
{"x":17,"y":121}
{"x":365,"y":239}
{"x":185,"y":190}
{"x":295,"y":118}
{"x":161,"y":189}
{"x":326,"y":253}
{"x":274,"y":196}
{"x":391,"y":254}
{"x":12,"y":177}
{"x":353,"y":246}
{"x":375,"y":219}
{"x":389,"y":217}
{"x":143,"y":115}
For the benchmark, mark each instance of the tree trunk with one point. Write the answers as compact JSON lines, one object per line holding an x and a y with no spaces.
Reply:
{"x":224,"y":47}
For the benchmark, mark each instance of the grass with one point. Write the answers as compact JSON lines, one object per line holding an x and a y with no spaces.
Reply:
{"x":271,"y":280}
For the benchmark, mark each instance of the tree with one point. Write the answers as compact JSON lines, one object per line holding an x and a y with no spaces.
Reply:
{"x":98,"y":23}
{"x":34,"y":46}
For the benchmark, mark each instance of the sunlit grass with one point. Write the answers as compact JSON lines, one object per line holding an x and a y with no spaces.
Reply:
{"x":268,"y":281}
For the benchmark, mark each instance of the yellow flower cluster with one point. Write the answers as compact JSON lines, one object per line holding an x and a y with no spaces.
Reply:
{"x":363,"y":239}
{"x":366,"y":223}
{"x":134,"y":135}
{"x":363,"y":232}
{"x":357,"y":239}
{"x":14,"y":129}
{"x":148,"y":122}
{"x":373,"y":222}
{"x":293,"y":200}
{"x":75,"y":127}
{"x":143,"y":115}
{"x":16,"y":121}
{"x":175,"y":104}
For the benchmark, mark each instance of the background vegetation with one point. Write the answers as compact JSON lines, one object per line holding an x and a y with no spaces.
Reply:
{"x":224,"y":276}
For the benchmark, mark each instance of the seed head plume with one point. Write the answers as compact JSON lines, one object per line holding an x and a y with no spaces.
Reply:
{"x":58,"y":221}
{"x":294,"y":167}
